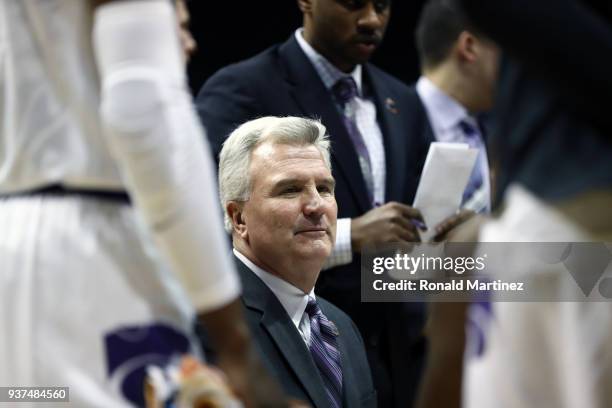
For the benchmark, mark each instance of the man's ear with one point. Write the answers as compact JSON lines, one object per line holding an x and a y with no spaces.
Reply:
{"x":466,"y":47}
{"x":305,"y":6}
{"x":235,"y":212}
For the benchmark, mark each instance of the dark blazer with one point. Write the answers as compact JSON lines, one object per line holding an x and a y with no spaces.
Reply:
{"x":288,"y":359}
{"x":281,"y":81}
{"x":417,"y":115}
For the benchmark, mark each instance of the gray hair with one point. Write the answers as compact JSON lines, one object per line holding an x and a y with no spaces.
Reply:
{"x":235,"y":156}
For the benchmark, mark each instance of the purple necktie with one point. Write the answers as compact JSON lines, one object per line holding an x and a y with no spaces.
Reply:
{"x":345,"y":90}
{"x":325,"y":352}
{"x":474,"y":140}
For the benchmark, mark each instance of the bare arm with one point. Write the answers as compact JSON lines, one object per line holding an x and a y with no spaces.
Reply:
{"x":160,"y":149}
{"x":442,"y":379}
{"x":238,"y":358}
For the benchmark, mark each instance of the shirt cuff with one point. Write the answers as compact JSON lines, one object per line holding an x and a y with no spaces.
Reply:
{"x":343,"y":251}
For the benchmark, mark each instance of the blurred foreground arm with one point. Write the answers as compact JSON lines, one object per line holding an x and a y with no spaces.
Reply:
{"x":154,"y":134}
{"x":445,"y":331}
{"x":238,"y":358}
{"x":442,"y":379}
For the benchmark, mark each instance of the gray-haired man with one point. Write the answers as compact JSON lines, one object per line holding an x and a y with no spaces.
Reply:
{"x":278,"y":194}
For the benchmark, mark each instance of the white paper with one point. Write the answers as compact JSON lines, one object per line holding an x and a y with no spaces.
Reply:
{"x":445,"y":176}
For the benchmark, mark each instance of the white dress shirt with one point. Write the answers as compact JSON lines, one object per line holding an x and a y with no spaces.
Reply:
{"x":445,"y":114}
{"x":364,"y":109}
{"x":293,"y":300}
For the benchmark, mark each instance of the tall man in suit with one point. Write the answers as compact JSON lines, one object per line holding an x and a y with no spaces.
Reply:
{"x":278,"y":194}
{"x":322,"y":71}
{"x":459,"y":71}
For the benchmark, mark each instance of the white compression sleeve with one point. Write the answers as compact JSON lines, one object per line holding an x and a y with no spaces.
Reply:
{"x":155,"y":135}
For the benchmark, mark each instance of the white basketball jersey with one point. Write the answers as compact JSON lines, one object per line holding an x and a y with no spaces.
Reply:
{"x":49,"y":98}
{"x":538,"y":354}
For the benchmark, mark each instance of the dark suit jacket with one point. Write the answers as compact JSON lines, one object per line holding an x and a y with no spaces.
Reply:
{"x":286,"y":355}
{"x":417,"y":114}
{"x":281,"y":81}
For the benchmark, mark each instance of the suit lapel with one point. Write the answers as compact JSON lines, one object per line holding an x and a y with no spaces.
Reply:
{"x":315,"y":101}
{"x":395,"y":139}
{"x":281,"y":330}
{"x":294,"y":350}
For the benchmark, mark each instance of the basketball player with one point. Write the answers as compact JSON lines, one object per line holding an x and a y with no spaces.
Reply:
{"x":107,"y":204}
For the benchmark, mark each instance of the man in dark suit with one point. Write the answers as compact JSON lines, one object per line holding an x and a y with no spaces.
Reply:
{"x":322,"y":71}
{"x":277,"y":190}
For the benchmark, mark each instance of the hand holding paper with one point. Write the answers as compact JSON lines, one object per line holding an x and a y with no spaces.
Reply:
{"x":445,"y":175}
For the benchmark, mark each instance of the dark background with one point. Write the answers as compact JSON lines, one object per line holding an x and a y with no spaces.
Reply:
{"x":229,"y":31}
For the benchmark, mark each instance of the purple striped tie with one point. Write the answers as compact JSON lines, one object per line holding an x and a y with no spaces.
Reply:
{"x":345,"y":90}
{"x":474,"y":139}
{"x":325,"y":352}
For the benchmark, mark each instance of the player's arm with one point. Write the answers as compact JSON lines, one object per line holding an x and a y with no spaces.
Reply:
{"x":154,"y":134}
{"x":442,"y":377}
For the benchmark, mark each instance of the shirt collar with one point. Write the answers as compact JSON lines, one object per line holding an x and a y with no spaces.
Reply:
{"x":294,"y":301}
{"x":443,"y":111}
{"x":327,"y":71}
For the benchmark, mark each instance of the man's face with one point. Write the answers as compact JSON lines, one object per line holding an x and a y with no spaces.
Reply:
{"x":290,"y":217}
{"x":347,"y":32}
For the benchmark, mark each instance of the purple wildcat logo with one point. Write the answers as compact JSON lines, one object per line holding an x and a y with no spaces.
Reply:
{"x":129,"y":350}
{"x":480,"y":315}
